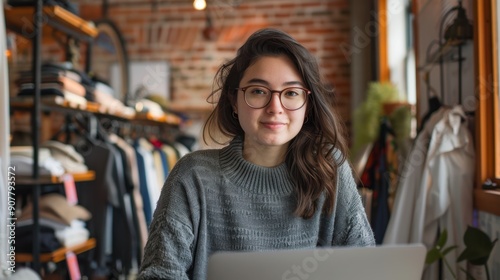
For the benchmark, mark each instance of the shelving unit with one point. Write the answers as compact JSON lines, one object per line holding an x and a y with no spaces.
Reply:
{"x":51,"y":179}
{"x":60,"y":254}
{"x":51,"y":103}
{"x":20,"y":20}
{"x":34,"y":23}
{"x":50,"y":21}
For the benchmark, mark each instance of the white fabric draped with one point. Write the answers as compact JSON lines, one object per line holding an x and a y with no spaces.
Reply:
{"x":435,"y":190}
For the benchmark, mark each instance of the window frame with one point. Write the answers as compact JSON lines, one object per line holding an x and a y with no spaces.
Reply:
{"x":487,"y":112}
{"x":496,"y":73}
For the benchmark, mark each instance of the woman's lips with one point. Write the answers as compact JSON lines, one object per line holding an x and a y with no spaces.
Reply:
{"x":273,"y":125}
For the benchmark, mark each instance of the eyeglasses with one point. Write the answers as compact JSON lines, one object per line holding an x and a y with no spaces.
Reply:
{"x":292,"y":98}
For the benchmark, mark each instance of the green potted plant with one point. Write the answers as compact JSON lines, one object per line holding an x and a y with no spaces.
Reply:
{"x":478,"y":248}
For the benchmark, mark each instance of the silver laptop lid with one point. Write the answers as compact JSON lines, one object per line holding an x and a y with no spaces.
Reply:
{"x":342,"y":263}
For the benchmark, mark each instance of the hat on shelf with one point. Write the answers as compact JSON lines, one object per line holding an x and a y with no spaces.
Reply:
{"x":66,"y":154}
{"x":55,"y":207}
{"x":22,"y":158}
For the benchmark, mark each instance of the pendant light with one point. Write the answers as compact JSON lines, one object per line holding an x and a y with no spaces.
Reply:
{"x":199,"y":4}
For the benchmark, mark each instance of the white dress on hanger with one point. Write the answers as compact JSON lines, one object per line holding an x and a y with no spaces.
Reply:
{"x":435,"y":189}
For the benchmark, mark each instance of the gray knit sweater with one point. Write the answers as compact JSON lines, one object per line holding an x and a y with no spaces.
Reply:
{"x":215,"y":200}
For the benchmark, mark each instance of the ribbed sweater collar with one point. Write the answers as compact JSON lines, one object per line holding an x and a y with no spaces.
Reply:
{"x":254,"y":178}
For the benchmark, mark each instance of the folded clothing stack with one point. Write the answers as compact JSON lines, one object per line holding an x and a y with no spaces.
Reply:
{"x":54,"y":158}
{"x":108,"y":101}
{"x":66,"y":154}
{"x":60,"y":222}
{"x":22,"y":158}
{"x":59,"y":80}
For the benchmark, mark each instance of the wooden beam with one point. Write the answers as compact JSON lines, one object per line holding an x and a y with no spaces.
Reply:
{"x":496,"y":94}
{"x":383,"y":61}
{"x":484,"y":86}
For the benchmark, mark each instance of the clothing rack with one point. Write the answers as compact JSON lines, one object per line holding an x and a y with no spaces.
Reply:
{"x":459,"y":9}
{"x":38,"y":25}
{"x":450,"y":49}
{"x":35,"y":122}
{"x":56,"y":18}
{"x":451,"y":42}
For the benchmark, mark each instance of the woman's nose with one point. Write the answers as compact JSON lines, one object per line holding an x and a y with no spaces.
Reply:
{"x":275,"y":102}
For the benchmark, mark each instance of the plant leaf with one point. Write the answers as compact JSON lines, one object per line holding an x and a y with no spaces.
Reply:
{"x":442,"y":239}
{"x":476,"y":237}
{"x":478,"y":247}
{"x":433,"y":255}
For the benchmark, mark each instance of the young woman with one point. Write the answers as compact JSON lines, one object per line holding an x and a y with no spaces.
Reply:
{"x":283,"y":181}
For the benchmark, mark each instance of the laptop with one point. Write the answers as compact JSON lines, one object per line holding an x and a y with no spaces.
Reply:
{"x":383,"y":262}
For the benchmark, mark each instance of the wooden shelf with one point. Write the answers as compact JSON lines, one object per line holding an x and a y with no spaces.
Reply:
{"x":50,"y":179}
{"x":26,"y":102}
{"x":59,"y":254}
{"x":166,"y":118}
{"x":487,"y":201}
{"x":58,"y":102}
{"x":20,"y":20}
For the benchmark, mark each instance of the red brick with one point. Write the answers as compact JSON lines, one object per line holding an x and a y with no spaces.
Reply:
{"x":173,"y":32}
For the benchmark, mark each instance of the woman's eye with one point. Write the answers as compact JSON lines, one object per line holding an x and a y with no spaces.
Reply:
{"x":291,"y":93}
{"x":258,"y":91}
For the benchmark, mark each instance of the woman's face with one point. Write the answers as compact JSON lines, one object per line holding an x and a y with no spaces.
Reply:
{"x":273,"y":125}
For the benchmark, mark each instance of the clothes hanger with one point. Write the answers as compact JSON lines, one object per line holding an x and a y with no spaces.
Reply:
{"x":432,"y":95}
{"x":434,"y":102}
{"x":73,"y":126}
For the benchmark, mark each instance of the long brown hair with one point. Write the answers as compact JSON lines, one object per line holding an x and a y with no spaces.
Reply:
{"x":316,"y":153}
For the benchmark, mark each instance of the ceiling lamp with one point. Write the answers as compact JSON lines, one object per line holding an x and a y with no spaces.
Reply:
{"x":199,"y":4}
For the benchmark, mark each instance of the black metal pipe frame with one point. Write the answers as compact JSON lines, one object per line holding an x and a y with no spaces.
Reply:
{"x":460,"y":74}
{"x":457,"y":8}
{"x":35,"y":122}
{"x":441,"y":61}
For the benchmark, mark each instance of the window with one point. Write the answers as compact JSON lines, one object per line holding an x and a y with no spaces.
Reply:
{"x":486,"y":40}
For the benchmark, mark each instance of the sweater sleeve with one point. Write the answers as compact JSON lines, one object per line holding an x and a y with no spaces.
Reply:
{"x":351,"y":220}
{"x":168,"y":252}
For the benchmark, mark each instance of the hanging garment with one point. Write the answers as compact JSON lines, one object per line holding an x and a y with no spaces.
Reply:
{"x":434,"y":105}
{"x":172,"y":155}
{"x":376,"y":177}
{"x":153,"y":185}
{"x":132,"y":170}
{"x":125,"y":225}
{"x":143,"y":184}
{"x":158,"y":165}
{"x":94,"y":197}
{"x":435,"y":190}
{"x":149,"y":186}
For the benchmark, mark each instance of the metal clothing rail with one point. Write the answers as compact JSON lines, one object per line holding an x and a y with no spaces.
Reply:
{"x":35,"y":123}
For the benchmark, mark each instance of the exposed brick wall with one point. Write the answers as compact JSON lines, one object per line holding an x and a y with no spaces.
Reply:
{"x":172,"y":31}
